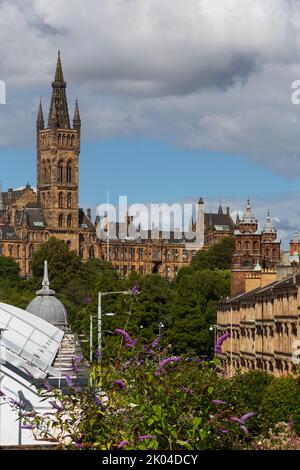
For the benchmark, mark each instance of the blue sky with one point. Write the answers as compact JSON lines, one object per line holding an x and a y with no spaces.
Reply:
{"x":153,"y":171}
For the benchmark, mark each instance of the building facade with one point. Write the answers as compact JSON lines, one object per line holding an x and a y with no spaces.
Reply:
{"x":28,"y":218}
{"x":257,"y":253}
{"x":264,"y":329}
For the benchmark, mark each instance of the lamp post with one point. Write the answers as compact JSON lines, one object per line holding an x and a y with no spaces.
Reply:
{"x":214,"y":328}
{"x":100,"y":295}
{"x":1,"y":332}
{"x":91,"y":332}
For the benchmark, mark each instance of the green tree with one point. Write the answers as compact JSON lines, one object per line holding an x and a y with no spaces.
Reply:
{"x":218,"y":256}
{"x":9,"y":269}
{"x":193,"y":309}
{"x":63,"y":264}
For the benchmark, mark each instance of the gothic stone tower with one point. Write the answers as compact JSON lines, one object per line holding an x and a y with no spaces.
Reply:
{"x":58,"y":148}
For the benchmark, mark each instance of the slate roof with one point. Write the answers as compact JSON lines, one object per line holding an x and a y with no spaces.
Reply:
{"x":291,"y":282}
{"x":83,"y":220}
{"x":211,"y":219}
{"x":35,"y":217}
{"x":8,"y":233}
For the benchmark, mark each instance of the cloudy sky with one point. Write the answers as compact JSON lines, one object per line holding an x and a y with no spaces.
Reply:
{"x":178,"y":98}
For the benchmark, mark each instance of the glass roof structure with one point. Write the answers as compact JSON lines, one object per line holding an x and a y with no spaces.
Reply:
{"x":29,"y":343}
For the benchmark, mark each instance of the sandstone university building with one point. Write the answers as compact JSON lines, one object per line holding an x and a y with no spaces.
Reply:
{"x":28,"y":218}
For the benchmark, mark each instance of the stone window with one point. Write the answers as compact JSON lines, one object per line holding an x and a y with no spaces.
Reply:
{"x":60,"y":200}
{"x":69,"y":221}
{"x":60,"y":172}
{"x":61,"y":220}
{"x":69,"y":200}
{"x":69,"y":172}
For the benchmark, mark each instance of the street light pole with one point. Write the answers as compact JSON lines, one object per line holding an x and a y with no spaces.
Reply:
{"x":1,"y":331}
{"x":91,"y":338}
{"x":214,"y":328}
{"x":100,"y":295}
{"x":99,"y":326}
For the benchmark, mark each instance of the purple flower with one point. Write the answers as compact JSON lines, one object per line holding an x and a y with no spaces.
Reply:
{"x":242,"y":421}
{"x":97,"y":353}
{"x":16,"y":403}
{"x":219,"y":402}
{"x":156,"y":342}
{"x":120,"y":384}
{"x":168,"y":360}
{"x":86,"y":300}
{"x":223,"y":430}
{"x":69,"y":381}
{"x":97,"y":400}
{"x":165,"y":362}
{"x":122,"y":444}
{"x":247,"y":416}
{"x":56,"y":406}
{"x":129,"y":342}
{"x":218,"y":346}
{"x":75,"y":369}
{"x":135,"y":290}
{"x":186,"y":390}
{"x":46,"y":386}
{"x":27,"y":426}
{"x":77,"y":359}
{"x":243,"y":428}
{"x":78,"y":389}
{"x":291,"y":423}
{"x":146,"y":436}
{"x":235,"y":419}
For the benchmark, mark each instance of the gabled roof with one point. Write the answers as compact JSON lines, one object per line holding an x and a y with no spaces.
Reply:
{"x":219,"y":220}
{"x":84,"y":221}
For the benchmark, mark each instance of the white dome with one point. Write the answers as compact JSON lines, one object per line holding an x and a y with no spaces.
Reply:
{"x":47,"y":306}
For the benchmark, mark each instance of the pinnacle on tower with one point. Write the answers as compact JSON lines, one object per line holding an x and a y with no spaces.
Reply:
{"x":40,"y":124}
{"x":220,"y":210}
{"x":76,"y":120}
{"x":2,"y":203}
{"x":58,"y":113}
{"x":45,"y":284}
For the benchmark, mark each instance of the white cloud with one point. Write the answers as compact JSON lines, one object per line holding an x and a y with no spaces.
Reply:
{"x":213,"y":75}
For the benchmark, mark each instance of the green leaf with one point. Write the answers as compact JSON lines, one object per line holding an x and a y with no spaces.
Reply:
{"x":197,"y":421}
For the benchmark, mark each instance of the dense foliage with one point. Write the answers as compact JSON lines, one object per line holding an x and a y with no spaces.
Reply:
{"x":185,"y":308}
{"x":149,"y":399}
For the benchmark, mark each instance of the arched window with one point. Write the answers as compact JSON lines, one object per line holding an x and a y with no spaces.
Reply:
{"x":69,"y":172}
{"x":68,"y":244}
{"x":91,"y":253}
{"x":60,"y":200}
{"x":31,"y":251}
{"x":69,"y":221}
{"x":60,"y":172}
{"x":61,"y":220}
{"x":69,"y":200}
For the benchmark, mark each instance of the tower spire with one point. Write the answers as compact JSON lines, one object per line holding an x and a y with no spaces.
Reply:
{"x":45,"y":284}
{"x":40,"y":124}
{"x":76,"y":120}
{"x":59,"y":105}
